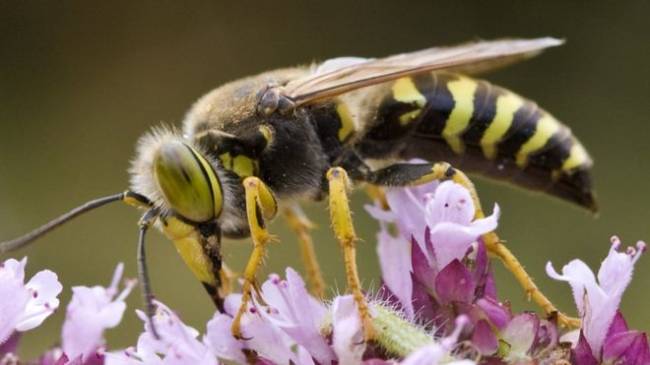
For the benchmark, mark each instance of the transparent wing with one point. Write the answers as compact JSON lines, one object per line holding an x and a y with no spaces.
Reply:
{"x":340,"y":75}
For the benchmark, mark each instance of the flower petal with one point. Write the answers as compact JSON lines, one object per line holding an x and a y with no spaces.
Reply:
{"x":627,"y":348}
{"x":347,"y":336}
{"x":439,"y":352}
{"x":219,"y":337}
{"x":452,"y":203}
{"x":546,"y":338}
{"x":598,"y":302}
{"x":45,"y":287}
{"x":427,"y":355}
{"x":580,"y":278}
{"x":484,"y":338}
{"x":408,"y":207}
{"x":615,"y":271}
{"x":452,"y":240}
{"x":520,"y":334}
{"x":13,"y":299}
{"x":494,"y":311}
{"x":395,"y":262}
{"x":424,"y":304}
{"x":177,"y":343}
{"x":582,"y":354}
{"x":25,"y":306}
{"x":455,"y":284}
{"x":10,"y":345}
{"x":423,"y":271}
{"x":268,"y":340}
{"x":91,"y":311}
{"x":297,"y":313}
{"x":618,"y":325}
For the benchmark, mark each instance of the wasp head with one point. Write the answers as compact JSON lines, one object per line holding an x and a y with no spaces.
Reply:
{"x":178,"y":178}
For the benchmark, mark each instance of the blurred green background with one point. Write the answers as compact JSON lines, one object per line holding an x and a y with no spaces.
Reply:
{"x":80,"y":82}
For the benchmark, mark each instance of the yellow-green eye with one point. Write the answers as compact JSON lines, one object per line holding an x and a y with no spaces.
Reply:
{"x":188,"y":182}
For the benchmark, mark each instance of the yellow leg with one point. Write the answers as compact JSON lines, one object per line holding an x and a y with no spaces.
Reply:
{"x":260,"y":205}
{"x":227,"y":278}
{"x":344,"y":232}
{"x":301,"y":225}
{"x":498,"y":249}
{"x":495,"y":246}
{"x":377,"y":194}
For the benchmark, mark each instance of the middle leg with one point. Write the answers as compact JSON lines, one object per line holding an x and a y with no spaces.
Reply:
{"x":341,"y":219}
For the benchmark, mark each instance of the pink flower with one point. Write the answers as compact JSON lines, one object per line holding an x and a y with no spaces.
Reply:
{"x":91,"y":311}
{"x":221,"y":341}
{"x":625,"y":346}
{"x":25,"y":306}
{"x":177,"y":344}
{"x":287,"y":329}
{"x":298,"y":314}
{"x":347,"y":336}
{"x":598,"y":300}
{"x":440,"y":351}
{"x":527,"y":338}
{"x":439,"y":218}
{"x":396,"y":267}
{"x":450,"y":218}
{"x":269,"y":341}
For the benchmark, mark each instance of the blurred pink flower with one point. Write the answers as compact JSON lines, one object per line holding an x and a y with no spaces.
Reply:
{"x":440,"y":351}
{"x":287,"y":328}
{"x":598,"y":300}
{"x":526,"y":337}
{"x":25,"y":306}
{"x":264,"y":337}
{"x":177,"y":343}
{"x":291,"y":308}
{"x":347,"y":335}
{"x":91,"y":311}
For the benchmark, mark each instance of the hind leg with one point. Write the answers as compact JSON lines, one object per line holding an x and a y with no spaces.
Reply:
{"x":416,"y":174}
{"x":301,"y":225}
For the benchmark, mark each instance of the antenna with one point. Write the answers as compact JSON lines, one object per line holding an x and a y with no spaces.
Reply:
{"x":39,"y":232}
{"x":143,"y":273}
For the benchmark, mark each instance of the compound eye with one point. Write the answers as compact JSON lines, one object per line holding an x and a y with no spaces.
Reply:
{"x":188,"y":182}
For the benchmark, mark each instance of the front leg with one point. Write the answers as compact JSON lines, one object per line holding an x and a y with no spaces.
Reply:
{"x":344,"y":231}
{"x":260,"y":206}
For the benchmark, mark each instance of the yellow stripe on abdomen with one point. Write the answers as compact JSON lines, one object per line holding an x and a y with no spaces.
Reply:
{"x":462,"y":90}
{"x":546,"y":127}
{"x":578,"y":156}
{"x":347,"y":124}
{"x":506,"y":107}
{"x":405,"y":91}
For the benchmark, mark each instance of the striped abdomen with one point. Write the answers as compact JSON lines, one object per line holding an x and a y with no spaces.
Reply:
{"x":480,"y":128}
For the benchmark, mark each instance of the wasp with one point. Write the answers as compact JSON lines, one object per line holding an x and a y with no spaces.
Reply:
{"x":254,"y":148}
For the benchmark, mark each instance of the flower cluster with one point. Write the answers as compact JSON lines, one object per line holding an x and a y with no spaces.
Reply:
{"x":446,"y":263}
{"x":90,"y":312}
{"x":438,"y":305}
{"x":604,"y":336}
